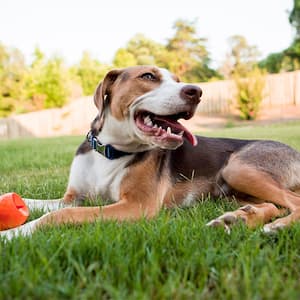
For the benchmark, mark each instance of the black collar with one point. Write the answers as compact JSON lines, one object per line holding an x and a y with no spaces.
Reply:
{"x":106,"y":150}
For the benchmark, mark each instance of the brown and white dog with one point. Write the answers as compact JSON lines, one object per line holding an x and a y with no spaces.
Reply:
{"x":145,"y":160}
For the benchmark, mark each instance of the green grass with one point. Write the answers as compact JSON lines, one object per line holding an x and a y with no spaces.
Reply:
{"x":174,"y":256}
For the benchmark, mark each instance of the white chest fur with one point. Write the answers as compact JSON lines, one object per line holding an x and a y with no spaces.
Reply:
{"x":94,"y":175}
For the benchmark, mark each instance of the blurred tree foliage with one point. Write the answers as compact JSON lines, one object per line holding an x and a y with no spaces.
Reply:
{"x":47,"y":82}
{"x":12,"y":77}
{"x":89,"y":71}
{"x":123,"y":58}
{"x":288,"y":59}
{"x":187,"y":55}
{"x":140,"y":50}
{"x":184,"y":54}
{"x":43,"y":84}
{"x":241,"y":58}
{"x":294,"y":18}
{"x":241,"y":65}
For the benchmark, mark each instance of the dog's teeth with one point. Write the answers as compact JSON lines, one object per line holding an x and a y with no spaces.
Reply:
{"x":181,"y":133}
{"x":169,"y":130}
{"x":148,"y":121}
{"x":155,"y":126}
{"x":158,"y":132}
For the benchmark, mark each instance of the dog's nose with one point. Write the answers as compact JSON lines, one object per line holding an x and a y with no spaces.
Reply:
{"x":191,"y":93}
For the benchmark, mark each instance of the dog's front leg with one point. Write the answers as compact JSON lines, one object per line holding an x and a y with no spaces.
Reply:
{"x":46,"y":205}
{"x":120,"y":211}
{"x":142,"y":191}
{"x":123,"y":210}
{"x":141,"y":195}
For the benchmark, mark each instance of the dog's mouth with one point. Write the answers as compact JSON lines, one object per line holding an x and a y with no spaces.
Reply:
{"x":165,"y":128}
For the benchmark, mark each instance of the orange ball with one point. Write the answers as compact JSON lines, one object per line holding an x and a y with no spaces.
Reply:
{"x":13,"y":211}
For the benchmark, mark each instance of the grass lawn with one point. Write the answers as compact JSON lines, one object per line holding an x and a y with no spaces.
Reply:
{"x":174,"y":256}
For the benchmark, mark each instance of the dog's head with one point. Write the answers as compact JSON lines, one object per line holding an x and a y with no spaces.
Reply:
{"x":139,"y":108}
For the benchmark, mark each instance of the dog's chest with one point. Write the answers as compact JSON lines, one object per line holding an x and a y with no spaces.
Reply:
{"x":94,"y":175}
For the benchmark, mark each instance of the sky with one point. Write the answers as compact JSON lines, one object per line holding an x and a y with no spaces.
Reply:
{"x":69,"y":27}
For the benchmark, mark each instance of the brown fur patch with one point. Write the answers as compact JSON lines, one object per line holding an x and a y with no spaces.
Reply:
{"x":70,"y":196}
{"x":256,"y":183}
{"x":83,"y":148}
{"x":124,"y":92}
{"x":70,"y":215}
{"x":177,"y":194}
{"x":143,"y":191}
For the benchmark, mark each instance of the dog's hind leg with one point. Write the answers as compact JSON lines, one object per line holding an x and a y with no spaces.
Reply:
{"x":250,"y":214}
{"x":278,"y":224}
{"x":265,"y":189}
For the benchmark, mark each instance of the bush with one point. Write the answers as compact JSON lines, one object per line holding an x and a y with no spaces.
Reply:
{"x":12,"y":78}
{"x":54,"y":84}
{"x":250,"y":93}
{"x":44,"y":84}
{"x":89,"y":71}
{"x":47,"y":83}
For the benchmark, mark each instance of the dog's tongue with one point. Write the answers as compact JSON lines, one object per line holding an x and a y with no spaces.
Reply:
{"x":177,"y":127}
{"x":187,"y":134}
{"x":190,"y":137}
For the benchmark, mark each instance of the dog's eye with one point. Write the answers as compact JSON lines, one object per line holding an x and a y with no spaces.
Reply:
{"x":148,"y":76}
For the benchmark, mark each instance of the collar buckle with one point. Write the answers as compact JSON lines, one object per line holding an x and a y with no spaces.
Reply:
{"x":106,"y":150}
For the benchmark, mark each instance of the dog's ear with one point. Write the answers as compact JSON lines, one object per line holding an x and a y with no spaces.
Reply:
{"x":104,"y":88}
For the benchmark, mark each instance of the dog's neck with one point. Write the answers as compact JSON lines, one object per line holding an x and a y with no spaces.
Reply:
{"x":108,"y":151}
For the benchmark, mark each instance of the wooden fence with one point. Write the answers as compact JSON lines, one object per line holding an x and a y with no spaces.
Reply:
{"x":74,"y":118}
{"x":281,"y":90}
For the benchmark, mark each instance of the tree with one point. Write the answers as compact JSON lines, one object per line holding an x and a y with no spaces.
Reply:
{"x":144,"y":50}
{"x":12,"y":78}
{"x":272,"y":63}
{"x":294,"y":18}
{"x":90,"y":71}
{"x":184,"y":54}
{"x":54,"y":83}
{"x":12,"y":71}
{"x":288,"y":59}
{"x":139,"y":51}
{"x":187,"y":54}
{"x":241,"y":59}
{"x":47,"y":83}
{"x":123,"y":59}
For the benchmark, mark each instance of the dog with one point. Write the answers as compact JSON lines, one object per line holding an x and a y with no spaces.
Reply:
{"x":140,"y":157}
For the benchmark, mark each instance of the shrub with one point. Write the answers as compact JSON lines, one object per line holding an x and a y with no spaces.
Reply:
{"x":90,"y":71}
{"x":250,"y":93}
{"x":47,"y":83}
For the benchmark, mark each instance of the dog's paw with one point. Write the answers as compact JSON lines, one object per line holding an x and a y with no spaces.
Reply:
{"x":273,"y":227}
{"x":226,"y":220}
